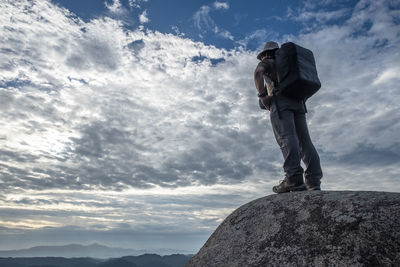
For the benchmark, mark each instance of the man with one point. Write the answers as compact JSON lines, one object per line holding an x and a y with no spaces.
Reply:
{"x":290,"y":128}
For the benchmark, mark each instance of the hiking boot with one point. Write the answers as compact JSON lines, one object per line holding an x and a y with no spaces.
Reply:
{"x":284,"y":186}
{"x":313,"y":187}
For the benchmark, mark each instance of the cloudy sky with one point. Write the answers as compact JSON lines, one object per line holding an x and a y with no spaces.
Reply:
{"x":135,"y":123}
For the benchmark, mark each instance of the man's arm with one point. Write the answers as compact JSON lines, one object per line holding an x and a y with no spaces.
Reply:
{"x":259,"y":81}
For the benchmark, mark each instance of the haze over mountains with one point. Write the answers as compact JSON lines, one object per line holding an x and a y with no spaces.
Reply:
{"x":75,"y":250}
{"x":146,"y":260}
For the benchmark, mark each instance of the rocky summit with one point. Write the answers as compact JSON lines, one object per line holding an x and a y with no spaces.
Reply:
{"x":314,"y":228}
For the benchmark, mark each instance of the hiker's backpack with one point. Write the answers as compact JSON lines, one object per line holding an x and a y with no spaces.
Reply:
{"x":296,"y":71}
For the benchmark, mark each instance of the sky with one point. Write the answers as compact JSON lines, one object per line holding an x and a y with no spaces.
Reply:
{"x":135,"y":123}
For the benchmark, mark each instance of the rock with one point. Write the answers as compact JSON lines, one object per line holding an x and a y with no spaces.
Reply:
{"x":315,"y":228}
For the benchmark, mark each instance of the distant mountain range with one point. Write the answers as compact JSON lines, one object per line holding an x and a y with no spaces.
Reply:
{"x":75,"y":251}
{"x":146,"y":260}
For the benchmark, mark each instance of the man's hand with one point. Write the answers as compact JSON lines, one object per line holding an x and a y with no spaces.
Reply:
{"x":266,"y":100}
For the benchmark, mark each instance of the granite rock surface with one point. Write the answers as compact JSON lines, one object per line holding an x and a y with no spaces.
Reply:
{"x":325,"y":228}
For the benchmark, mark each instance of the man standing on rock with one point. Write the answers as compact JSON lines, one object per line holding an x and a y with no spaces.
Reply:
{"x":289,"y":124}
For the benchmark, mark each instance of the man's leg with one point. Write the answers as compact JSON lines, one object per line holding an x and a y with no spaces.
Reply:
{"x":285,"y":134}
{"x":309,"y":155}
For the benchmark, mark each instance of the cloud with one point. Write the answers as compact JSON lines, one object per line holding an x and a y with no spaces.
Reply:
{"x":258,"y":38}
{"x":221,"y":5}
{"x":323,"y":4}
{"x":321,"y":16}
{"x":115,"y":7}
{"x":314,"y":15}
{"x":103,"y":128}
{"x":136,"y":3}
{"x":202,"y":18}
{"x":102,"y":120}
{"x":118,"y":10}
{"x":387,"y":76}
{"x":204,"y":22}
{"x":143,"y":18}
{"x":223,"y":33}
{"x":140,"y":219}
{"x":92,"y":111}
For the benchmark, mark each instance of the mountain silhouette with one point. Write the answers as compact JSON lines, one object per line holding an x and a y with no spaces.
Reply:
{"x":75,"y":250}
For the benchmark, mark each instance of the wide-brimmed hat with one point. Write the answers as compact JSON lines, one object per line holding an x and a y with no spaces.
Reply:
{"x":268,"y":46}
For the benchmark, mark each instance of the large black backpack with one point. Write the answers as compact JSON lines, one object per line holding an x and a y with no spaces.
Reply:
{"x":296,"y":71}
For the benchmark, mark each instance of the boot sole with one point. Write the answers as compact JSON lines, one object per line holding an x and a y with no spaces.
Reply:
{"x":298,"y":188}
{"x":315,"y":188}
{"x":292,"y":189}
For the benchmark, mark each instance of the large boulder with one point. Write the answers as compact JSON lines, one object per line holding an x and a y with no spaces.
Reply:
{"x":315,"y":228}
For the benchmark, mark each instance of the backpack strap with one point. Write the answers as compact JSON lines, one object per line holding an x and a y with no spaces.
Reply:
{"x":269,"y":67}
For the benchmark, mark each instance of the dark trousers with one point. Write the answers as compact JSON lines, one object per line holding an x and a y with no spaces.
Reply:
{"x":291,"y":133}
